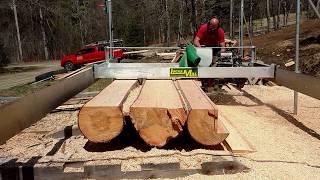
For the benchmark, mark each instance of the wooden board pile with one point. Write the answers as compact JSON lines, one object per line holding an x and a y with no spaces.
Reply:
{"x":161,"y":111}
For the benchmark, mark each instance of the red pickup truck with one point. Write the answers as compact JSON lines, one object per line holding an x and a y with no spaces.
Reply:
{"x":89,"y":54}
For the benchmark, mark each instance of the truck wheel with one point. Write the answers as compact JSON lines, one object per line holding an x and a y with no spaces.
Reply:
{"x":69,"y":66}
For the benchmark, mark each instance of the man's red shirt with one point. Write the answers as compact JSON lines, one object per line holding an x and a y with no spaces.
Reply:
{"x":213,"y":39}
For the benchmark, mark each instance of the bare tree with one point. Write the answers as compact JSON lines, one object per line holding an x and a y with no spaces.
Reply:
{"x":268,"y":14}
{"x":193,"y":16}
{"x":251,"y":18}
{"x":278,"y":13}
{"x":14,"y":7}
{"x":44,"y":38}
{"x":180,"y":31}
{"x":168,"y":22}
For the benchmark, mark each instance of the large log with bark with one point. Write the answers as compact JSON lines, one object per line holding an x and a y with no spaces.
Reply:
{"x":158,"y":113}
{"x":101,"y":119}
{"x":203,"y":123}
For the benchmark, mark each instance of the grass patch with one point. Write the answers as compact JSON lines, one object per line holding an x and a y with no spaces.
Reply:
{"x":22,"y":90}
{"x":25,"y":89}
{"x":12,"y":70}
{"x":99,"y":85}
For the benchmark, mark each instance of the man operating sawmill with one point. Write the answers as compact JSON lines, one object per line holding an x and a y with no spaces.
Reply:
{"x":210,"y":35}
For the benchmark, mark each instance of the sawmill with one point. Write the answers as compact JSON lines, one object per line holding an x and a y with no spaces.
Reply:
{"x":153,"y":120}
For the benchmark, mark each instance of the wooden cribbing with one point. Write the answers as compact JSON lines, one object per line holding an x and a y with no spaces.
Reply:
{"x":101,"y":119}
{"x":203,"y":123}
{"x":158,"y":114}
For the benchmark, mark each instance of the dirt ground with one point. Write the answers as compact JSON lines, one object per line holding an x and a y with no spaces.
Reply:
{"x":288,"y":146}
{"x":279,"y":47}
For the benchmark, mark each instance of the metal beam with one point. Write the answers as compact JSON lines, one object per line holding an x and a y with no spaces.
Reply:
{"x":241,"y":26}
{"x":22,"y":113}
{"x":297,"y":70}
{"x":176,"y":48}
{"x":162,"y":71}
{"x":231,"y":19}
{"x":109,"y":6}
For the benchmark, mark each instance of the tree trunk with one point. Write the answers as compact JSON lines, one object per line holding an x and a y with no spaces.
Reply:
{"x":203,"y":123}
{"x":288,"y":12}
{"x":251,"y":19}
{"x":158,"y":114}
{"x":168,"y":22}
{"x":193,"y":17}
{"x":144,"y":31}
{"x":80,"y":22}
{"x":231,"y":19}
{"x":18,"y":30}
{"x":274,"y":20}
{"x":278,"y":14}
{"x":284,"y":7}
{"x":160,"y":26}
{"x":180,"y":22}
{"x":268,"y":15}
{"x":44,"y":38}
{"x":101,"y":119}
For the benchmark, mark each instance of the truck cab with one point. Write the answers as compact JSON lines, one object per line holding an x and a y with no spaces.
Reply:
{"x":91,"y":53}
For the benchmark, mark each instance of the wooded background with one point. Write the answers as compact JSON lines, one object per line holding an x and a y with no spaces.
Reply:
{"x":50,"y":29}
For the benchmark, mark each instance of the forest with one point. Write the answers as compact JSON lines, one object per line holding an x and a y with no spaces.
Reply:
{"x":49,"y":29}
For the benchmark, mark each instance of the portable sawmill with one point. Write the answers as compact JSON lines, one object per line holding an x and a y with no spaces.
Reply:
{"x":179,"y":77}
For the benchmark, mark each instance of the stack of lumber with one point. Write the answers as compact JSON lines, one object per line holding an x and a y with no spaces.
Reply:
{"x":160,"y":111}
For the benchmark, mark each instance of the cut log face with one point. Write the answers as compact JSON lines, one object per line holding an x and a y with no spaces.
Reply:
{"x":101,"y":119}
{"x":158,"y":113}
{"x":202,"y":123}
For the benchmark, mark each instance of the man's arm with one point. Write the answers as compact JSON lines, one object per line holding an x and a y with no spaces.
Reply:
{"x":196,"y":42}
{"x":199,"y":35}
{"x":223,"y":45}
{"x":221,"y":39}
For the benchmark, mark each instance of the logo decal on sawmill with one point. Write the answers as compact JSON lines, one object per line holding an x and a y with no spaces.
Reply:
{"x":183,"y":72}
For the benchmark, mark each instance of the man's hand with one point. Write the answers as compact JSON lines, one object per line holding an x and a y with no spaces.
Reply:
{"x":178,"y":55}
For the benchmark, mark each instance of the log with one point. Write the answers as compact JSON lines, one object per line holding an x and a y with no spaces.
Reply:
{"x":202,"y":123}
{"x":101,"y":119}
{"x":158,"y":114}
